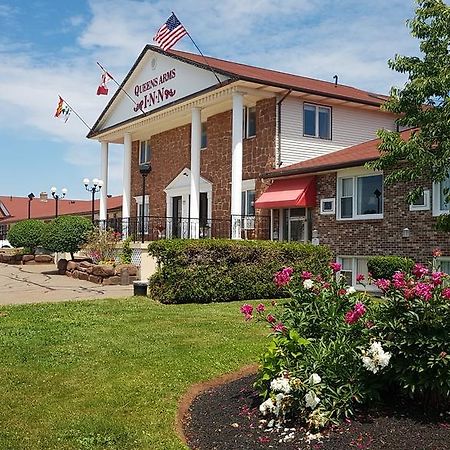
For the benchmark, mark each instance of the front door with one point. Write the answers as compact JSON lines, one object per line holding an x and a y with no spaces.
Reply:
{"x":177,"y":215}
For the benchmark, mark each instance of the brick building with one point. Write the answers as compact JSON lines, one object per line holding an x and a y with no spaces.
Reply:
{"x":210,"y":130}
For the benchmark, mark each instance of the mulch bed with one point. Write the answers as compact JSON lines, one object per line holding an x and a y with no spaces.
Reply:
{"x":226,"y":417}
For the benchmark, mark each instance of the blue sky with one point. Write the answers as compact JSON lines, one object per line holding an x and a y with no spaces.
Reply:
{"x":49,"y":48}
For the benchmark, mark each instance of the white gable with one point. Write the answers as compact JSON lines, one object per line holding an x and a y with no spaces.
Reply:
{"x":158,"y":80}
{"x":182,"y":182}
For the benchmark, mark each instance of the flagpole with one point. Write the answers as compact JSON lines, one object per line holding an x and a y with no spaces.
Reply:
{"x":90,"y":129}
{"x":123,"y":90}
{"x":196,"y":46}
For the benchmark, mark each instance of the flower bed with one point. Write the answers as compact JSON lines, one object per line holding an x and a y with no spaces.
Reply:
{"x":333,"y":348}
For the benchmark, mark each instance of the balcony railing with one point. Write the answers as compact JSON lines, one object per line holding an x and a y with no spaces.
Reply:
{"x":245,"y":227}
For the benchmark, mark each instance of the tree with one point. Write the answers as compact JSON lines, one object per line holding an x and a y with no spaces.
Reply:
{"x":66,"y":234}
{"x":27,"y":233}
{"x":422,"y":104}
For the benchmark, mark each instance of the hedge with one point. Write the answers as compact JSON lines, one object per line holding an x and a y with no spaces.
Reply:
{"x":214,"y":270}
{"x":386,"y":266}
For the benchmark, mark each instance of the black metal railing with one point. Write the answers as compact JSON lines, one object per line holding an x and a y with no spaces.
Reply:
{"x":244,"y":227}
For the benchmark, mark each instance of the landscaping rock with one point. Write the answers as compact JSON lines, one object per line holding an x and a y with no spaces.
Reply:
{"x":83,"y":276}
{"x":72,"y":265}
{"x":103,"y":271}
{"x":26,"y":258}
{"x":133,"y":279}
{"x":69,"y":273}
{"x":43,"y":259}
{"x":95,"y":279}
{"x":62,"y":266}
{"x":111,"y":281}
{"x":76,"y":274}
{"x":132,"y":270}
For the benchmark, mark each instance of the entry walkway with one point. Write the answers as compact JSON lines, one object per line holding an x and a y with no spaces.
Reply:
{"x":41,"y":283}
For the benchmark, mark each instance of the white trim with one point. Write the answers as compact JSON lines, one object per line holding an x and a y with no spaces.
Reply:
{"x":437,"y":211}
{"x":359,"y":287}
{"x":327,"y":211}
{"x":426,"y":202}
{"x":249,"y":185}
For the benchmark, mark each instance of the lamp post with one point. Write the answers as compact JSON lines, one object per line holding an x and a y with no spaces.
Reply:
{"x":144,"y":169}
{"x":96,"y":186}
{"x":57,"y":197}
{"x":30,"y":199}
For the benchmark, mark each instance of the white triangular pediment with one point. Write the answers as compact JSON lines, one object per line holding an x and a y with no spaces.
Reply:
{"x":157,"y":80}
{"x":183,"y":182}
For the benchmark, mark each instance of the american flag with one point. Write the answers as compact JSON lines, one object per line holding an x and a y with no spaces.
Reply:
{"x":170,"y":33}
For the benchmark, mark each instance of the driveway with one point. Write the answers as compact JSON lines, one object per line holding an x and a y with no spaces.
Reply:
{"x":41,"y":283}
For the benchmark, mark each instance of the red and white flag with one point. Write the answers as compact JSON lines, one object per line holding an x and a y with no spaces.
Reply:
{"x":170,"y":33}
{"x":102,"y":88}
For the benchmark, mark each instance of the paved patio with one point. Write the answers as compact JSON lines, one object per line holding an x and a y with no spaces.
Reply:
{"x":41,"y":283}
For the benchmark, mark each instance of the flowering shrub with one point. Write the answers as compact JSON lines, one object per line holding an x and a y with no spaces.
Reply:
{"x":333,"y":347}
{"x":101,"y":244}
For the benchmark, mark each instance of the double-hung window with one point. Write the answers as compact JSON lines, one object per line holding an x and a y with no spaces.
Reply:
{"x":441,"y":197}
{"x":360,"y":197}
{"x":145,"y":152}
{"x":317,"y":121}
{"x":249,"y":121}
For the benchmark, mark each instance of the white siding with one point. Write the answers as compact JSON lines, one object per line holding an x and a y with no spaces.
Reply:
{"x":349,"y":126}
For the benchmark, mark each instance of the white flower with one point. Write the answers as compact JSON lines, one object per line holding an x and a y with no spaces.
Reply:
{"x":311,"y":400}
{"x":375,"y":358}
{"x":280,"y":385}
{"x":308,"y":284}
{"x":314,"y":379}
{"x":267,"y":407}
{"x":351,"y":290}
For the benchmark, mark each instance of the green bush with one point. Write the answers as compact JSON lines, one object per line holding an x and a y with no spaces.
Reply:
{"x":27,"y":233}
{"x":215,"y":270}
{"x":66,"y":234}
{"x":386,"y":266}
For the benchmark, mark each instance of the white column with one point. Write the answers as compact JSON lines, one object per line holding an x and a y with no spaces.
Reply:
{"x":236,"y":165}
{"x":104,"y":177}
{"x":126,"y":199}
{"x":196,"y":138}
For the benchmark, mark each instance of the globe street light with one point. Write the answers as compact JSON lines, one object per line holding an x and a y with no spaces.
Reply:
{"x":57,"y":197}
{"x":96,"y":186}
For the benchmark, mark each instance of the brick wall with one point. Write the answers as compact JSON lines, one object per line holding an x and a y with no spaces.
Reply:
{"x":380,"y":237}
{"x":171,"y":153}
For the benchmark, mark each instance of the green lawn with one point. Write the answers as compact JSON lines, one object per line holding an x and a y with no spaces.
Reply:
{"x":107,"y":374}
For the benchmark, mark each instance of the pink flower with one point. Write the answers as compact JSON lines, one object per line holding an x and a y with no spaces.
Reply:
{"x":260,"y":308}
{"x":419,"y":270}
{"x":326,"y":285}
{"x":446,"y":293}
{"x":368,"y":324}
{"x":351,"y":317}
{"x":279,"y":327}
{"x":247,"y":309}
{"x":271,"y":319}
{"x":360,"y":309}
{"x":248,"y":317}
{"x":437,"y":252}
{"x":383,"y":284}
{"x":341,"y":291}
{"x":437,"y":277}
{"x":306,"y":275}
{"x":336,"y":267}
{"x":359,"y":277}
{"x":424,"y":290}
{"x":409,"y":293}
{"x":283,"y":277}
{"x":399,"y":280}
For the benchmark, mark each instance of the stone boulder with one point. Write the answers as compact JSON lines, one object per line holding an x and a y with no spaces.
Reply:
{"x":132,"y":270}
{"x":111,"y":281}
{"x":43,"y":259}
{"x":95,"y":279}
{"x":83,"y":276}
{"x":103,"y":271}
{"x":62,"y":266}
{"x":72,"y":265}
{"x":26,"y":258}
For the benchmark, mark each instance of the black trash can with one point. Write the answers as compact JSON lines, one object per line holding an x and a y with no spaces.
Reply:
{"x":140,"y":288}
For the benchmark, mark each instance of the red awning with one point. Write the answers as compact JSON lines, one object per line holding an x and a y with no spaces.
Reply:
{"x":289,"y":193}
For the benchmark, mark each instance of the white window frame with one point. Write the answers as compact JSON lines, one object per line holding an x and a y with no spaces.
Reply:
{"x":249,"y":220}
{"x":328,"y":211}
{"x":139,"y":212}
{"x":425,"y":206}
{"x":357,"y":286}
{"x":246,"y":114}
{"x":148,"y":151}
{"x":355,"y":174}
{"x":317,"y":108}
{"x":437,"y":211}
